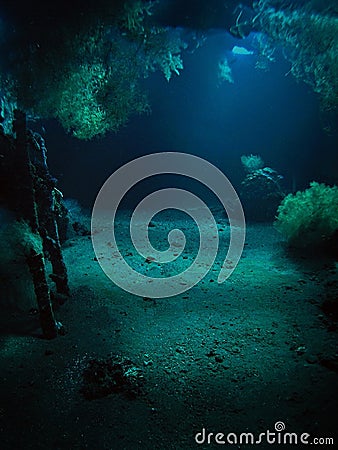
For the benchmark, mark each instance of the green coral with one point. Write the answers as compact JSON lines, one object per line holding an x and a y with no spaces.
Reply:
{"x":161,"y":47}
{"x":89,"y":76}
{"x":88,"y":118}
{"x":170,"y":63}
{"x":94,"y":100}
{"x":162,"y":50}
{"x":309,"y":217}
{"x":135,"y":14}
{"x":224,"y":72}
{"x":309,"y":39}
{"x":93,"y":88}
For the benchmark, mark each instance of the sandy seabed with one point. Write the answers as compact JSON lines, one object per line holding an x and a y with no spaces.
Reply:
{"x":228,"y":358}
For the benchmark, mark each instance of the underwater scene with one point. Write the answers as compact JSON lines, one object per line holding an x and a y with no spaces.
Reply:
{"x":168,"y":224}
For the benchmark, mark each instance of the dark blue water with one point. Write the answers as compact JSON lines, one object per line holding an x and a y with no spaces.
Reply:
{"x":265,"y":113}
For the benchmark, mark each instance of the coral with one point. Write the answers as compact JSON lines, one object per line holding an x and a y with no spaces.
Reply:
{"x":162,"y":50}
{"x":134,"y":15}
{"x":97,"y":90}
{"x":7,"y":105}
{"x":89,"y":76}
{"x":160,"y":47}
{"x":90,"y":83}
{"x":309,"y":40}
{"x":252,"y":162}
{"x":266,"y":51}
{"x":309,"y":217}
{"x":224,"y":72}
{"x":79,"y":111}
{"x":171,"y":64}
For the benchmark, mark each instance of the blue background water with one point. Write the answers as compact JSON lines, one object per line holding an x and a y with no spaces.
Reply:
{"x":266,"y":113}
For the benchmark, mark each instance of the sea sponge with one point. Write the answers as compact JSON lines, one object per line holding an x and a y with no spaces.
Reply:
{"x":309,"y":217}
